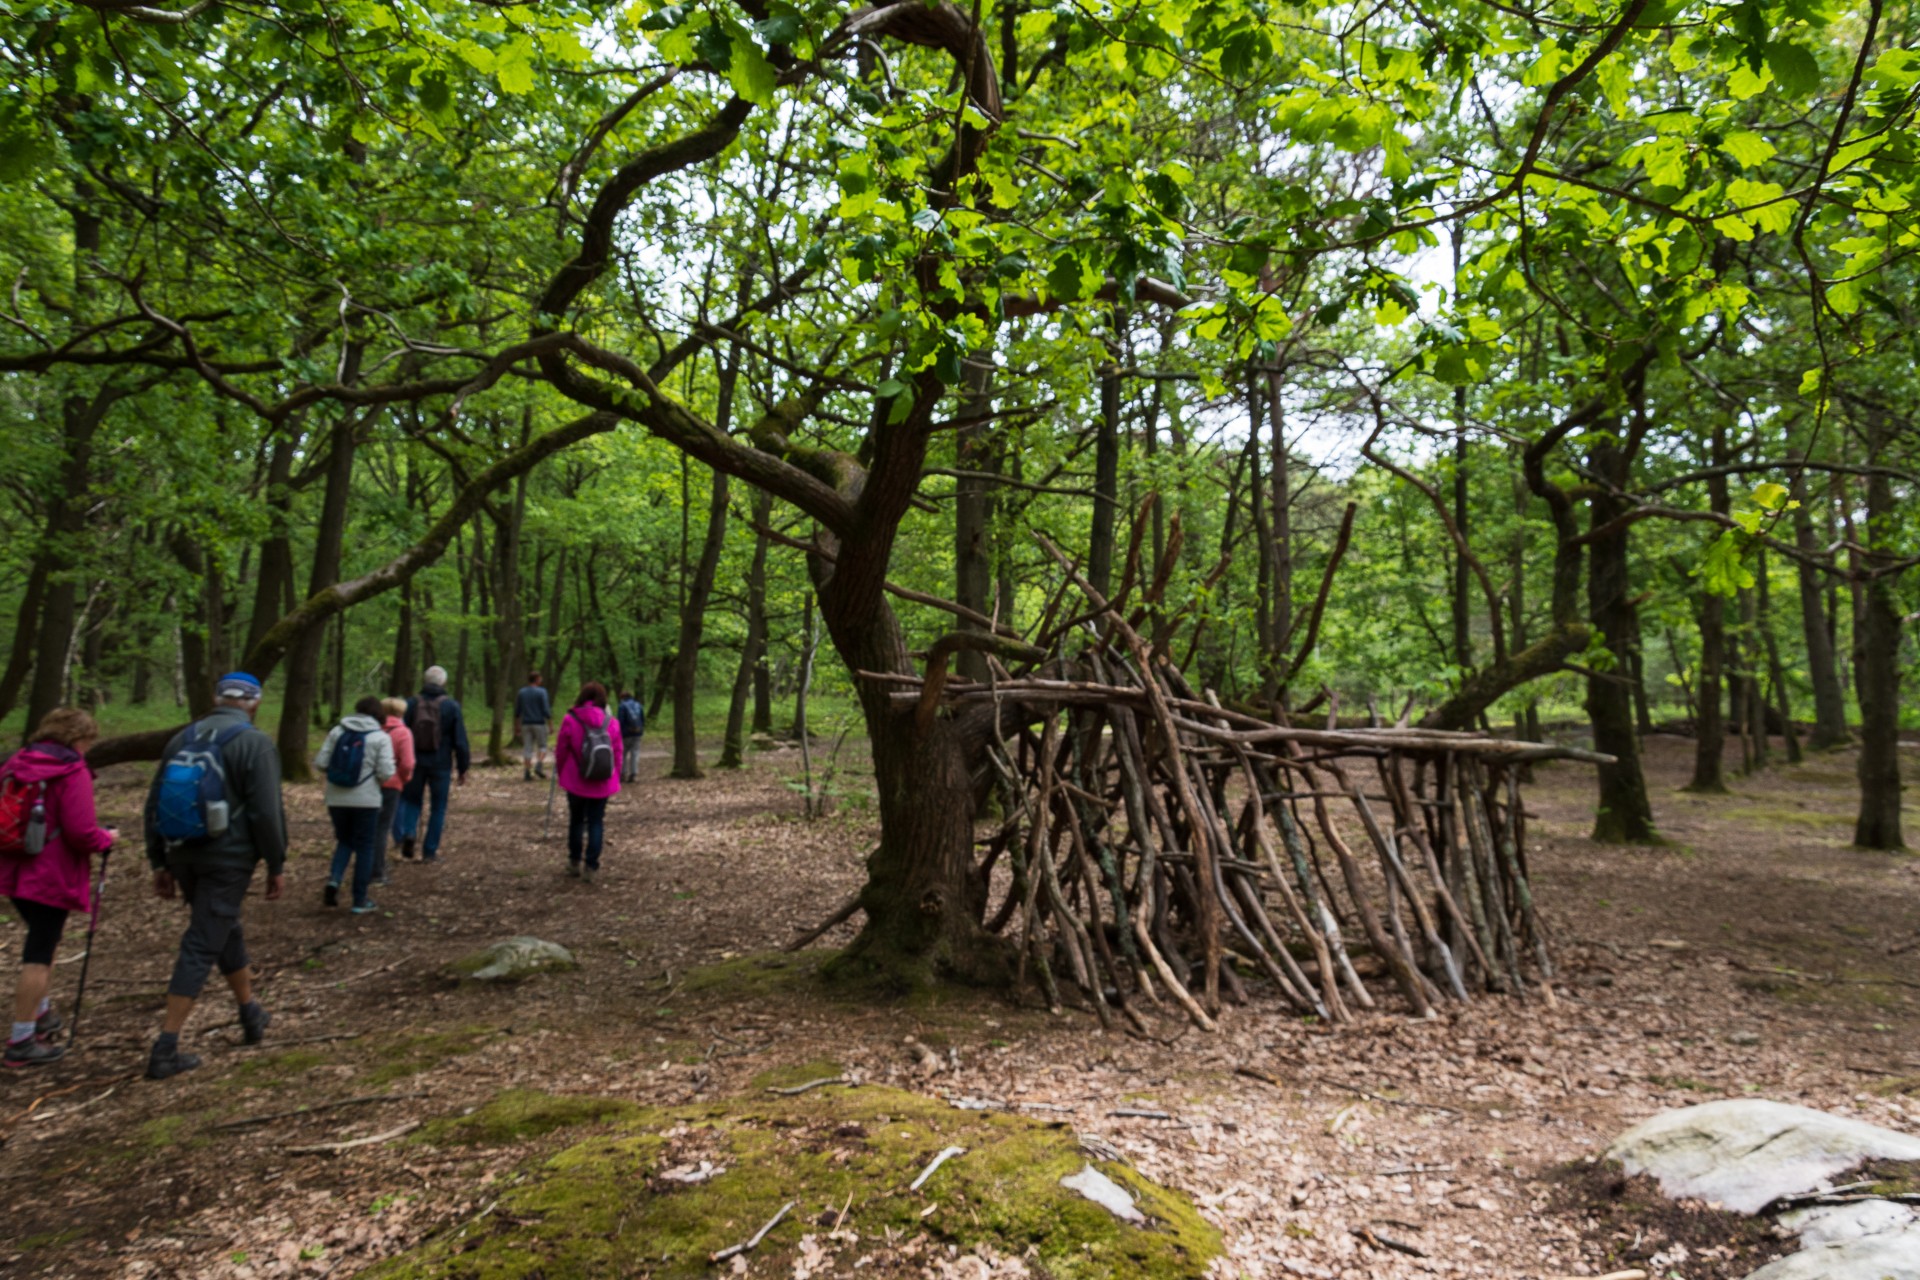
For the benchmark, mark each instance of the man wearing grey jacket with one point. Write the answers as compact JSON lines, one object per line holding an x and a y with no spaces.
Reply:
{"x":213,"y":872}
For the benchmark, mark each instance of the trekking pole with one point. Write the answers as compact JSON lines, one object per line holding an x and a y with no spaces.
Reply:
{"x":86,"y":961}
{"x":553,"y":784}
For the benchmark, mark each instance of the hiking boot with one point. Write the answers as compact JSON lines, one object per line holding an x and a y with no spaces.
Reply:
{"x":573,"y":870}
{"x":48,"y":1025}
{"x":589,"y":873}
{"x":32,"y":1052}
{"x":163,"y":1065}
{"x":253,"y":1022}
{"x":527,"y":776}
{"x":540,"y":771}
{"x":406,"y":848}
{"x":369,"y":906}
{"x":330,"y":896}
{"x":431,"y":857}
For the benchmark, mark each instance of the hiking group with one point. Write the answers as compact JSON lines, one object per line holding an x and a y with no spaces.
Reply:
{"x":214,"y":814}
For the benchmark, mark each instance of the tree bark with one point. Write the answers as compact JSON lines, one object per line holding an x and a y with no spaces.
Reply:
{"x":25,"y":626}
{"x":274,"y":587}
{"x":1877,"y":661}
{"x":976,"y":456}
{"x":81,"y":417}
{"x":1106,"y":481}
{"x":1625,"y":814}
{"x":1776,"y":670}
{"x":693,"y":618}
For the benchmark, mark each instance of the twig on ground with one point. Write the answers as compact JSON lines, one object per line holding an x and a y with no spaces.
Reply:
{"x":372,"y":972}
{"x":1379,"y":1241}
{"x":78,"y":1107}
{"x":841,"y":914}
{"x":758,"y":1236}
{"x":362,"y":1100}
{"x":338,"y":1035}
{"x":1137,"y":1113}
{"x":795,"y":1090}
{"x":334,"y":1148}
{"x":938,"y":1160}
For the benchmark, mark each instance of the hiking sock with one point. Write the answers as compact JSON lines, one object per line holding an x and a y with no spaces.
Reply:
{"x":41,"y":1012}
{"x":21,"y":1031}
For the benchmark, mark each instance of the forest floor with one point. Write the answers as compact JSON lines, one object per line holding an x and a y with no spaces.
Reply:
{"x":1756,"y":954}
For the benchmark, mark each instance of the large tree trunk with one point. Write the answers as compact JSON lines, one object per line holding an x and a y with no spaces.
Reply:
{"x":1625,"y":814}
{"x":734,"y":752}
{"x":81,"y":417}
{"x":1829,"y":695}
{"x":302,"y":680}
{"x":25,"y":626}
{"x":1877,"y":663}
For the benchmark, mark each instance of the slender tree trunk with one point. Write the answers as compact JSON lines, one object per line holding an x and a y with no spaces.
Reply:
{"x":1106,"y":481}
{"x":974,"y":453}
{"x":1823,"y":671}
{"x":81,"y":417}
{"x":752,"y":650}
{"x":1877,"y":662}
{"x":25,"y":627}
{"x":1462,"y":512}
{"x":1776,"y":670}
{"x":1625,"y":813}
{"x":686,"y":667}
{"x":400,"y":678}
{"x":1280,"y":478}
{"x":274,"y":586}
{"x":301,"y":681}
{"x":1710,"y":726}
{"x":1754,"y":716}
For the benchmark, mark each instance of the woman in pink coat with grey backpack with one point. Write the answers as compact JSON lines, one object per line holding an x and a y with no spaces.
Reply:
{"x":586,"y":759}
{"x":48,"y":788}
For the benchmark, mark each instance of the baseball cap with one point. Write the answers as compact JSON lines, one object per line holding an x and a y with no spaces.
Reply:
{"x":237,"y":685}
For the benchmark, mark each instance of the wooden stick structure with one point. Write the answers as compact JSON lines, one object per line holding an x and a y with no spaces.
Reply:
{"x":1158,"y":849}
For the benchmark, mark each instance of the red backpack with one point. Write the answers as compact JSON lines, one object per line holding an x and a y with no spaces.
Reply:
{"x":23,"y":817}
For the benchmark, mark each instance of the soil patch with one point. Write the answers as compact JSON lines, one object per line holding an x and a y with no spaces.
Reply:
{"x":1628,"y":1222}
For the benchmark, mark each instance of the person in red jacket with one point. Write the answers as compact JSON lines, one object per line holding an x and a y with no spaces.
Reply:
{"x":47,"y":886}
{"x":588,"y":730}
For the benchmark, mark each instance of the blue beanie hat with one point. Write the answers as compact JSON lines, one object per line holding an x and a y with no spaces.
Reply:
{"x":237,"y":685}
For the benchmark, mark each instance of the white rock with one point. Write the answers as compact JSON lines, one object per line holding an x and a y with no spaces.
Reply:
{"x":1747,"y":1152}
{"x":1105,"y":1192}
{"x":1890,"y":1255}
{"x":1826,"y":1223}
{"x":514,"y":958}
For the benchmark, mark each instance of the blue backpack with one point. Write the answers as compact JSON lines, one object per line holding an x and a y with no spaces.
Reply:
{"x":191,"y":805}
{"x":633,"y":717}
{"x":349,"y":757}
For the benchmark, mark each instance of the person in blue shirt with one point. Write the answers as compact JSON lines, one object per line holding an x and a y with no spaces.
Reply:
{"x":633,"y":722}
{"x":534,"y":710}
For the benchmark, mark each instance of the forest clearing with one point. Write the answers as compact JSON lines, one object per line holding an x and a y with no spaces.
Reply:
{"x":1756,"y":954}
{"x":960,"y":638}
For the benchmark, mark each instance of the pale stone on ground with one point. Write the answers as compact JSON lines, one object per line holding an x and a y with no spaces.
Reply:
{"x":1891,"y":1255}
{"x":1745,"y":1153}
{"x":1105,"y":1192}
{"x":511,"y":959}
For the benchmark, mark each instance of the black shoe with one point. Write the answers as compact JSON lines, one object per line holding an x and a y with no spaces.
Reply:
{"x":330,"y":896}
{"x":540,"y":771}
{"x":528,"y":775}
{"x":162,"y":1066}
{"x":432,"y":857}
{"x":406,"y":848}
{"x":253,"y":1026}
{"x":48,"y":1025}
{"x":32,"y":1052}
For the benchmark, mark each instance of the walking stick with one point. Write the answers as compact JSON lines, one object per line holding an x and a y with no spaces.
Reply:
{"x":86,"y":961}
{"x":553,"y":784}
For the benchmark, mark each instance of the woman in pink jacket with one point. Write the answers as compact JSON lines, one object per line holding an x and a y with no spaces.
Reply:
{"x":46,"y":886}
{"x":586,"y":759}
{"x":392,"y":710}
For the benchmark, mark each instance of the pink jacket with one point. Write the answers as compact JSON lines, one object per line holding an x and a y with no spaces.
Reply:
{"x":566,"y":753}
{"x":402,"y":738}
{"x":59,"y":876}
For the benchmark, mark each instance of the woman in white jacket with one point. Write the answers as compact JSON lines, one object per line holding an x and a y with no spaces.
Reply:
{"x":356,"y":757}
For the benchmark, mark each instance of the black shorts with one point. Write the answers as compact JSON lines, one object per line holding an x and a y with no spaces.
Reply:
{"x":44,"y":924}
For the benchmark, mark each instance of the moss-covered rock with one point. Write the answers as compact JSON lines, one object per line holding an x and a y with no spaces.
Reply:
{"x":664,"y":1188}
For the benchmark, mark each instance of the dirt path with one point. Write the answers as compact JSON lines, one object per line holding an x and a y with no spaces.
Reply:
{"x":1758,"y":954}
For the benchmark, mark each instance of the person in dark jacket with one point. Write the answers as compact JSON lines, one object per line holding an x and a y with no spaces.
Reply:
{"x":57,"y":880}
{"x":534,"y":710}
{"x":440,"y":757}
{"x":213,"y":874}
{"x":632,"y":715}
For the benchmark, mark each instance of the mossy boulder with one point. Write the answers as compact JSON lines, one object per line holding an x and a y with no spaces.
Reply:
{"x":661,"y":1189}
{"x":513,"y":959}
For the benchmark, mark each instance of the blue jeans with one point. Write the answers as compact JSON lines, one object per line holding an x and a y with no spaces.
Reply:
{"x":406,"y":821}
{"x":586,"y":824}
{"x":353,"y":830}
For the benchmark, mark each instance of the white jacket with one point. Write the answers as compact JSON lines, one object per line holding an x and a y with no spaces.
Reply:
{"x":376,"y":768}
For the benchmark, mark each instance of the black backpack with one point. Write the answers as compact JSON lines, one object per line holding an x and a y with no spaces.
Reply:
{"x":426,"y":724}
{"x":596,"y":750}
